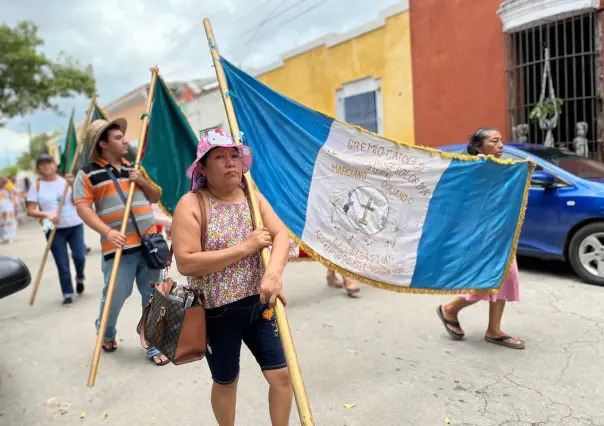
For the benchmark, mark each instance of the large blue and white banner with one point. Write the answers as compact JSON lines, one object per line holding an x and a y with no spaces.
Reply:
{"x":395,"y":216}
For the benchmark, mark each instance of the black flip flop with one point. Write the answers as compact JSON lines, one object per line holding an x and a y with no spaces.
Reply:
{"x":113,"y":347}
{"x":501,"y":341}
{"x":447,"y":323}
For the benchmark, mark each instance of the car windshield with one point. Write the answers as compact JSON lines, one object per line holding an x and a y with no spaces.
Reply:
{"x":570,"y":162}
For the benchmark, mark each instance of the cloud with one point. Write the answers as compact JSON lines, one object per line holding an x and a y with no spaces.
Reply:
{"x":12,"y":145}
{"x":122,"y":40}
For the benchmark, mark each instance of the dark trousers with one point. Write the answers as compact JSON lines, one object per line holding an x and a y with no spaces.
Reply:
{"x":74,"y":236}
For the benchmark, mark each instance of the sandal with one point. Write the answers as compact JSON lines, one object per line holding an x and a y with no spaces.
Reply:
{"x":333,"y":281}
{"x":447,"y":324}
{"x":351,"y":287}
{"x":503,"y":341}
{"x":154,"y":355}
{"x":113,"y":347}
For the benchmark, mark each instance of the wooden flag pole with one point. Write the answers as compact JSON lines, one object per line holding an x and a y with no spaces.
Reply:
{"x":51,"y":237}
{"x":295,"y":373}
{"x":118,"y":254}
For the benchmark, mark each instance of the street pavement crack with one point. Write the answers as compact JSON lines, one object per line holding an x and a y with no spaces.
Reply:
{"x":483,"y":393}
{"x":552,"y":402}
{"x":559,"y":310}
{"x":567,"y":349}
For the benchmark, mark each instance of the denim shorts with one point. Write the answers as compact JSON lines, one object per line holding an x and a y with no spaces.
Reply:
{"x":246,"y":320}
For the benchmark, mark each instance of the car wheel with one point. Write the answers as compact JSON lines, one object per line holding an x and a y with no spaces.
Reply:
{"x":586,"y":253}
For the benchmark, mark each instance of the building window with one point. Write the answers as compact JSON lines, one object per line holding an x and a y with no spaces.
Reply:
{"x":574,"y":45}
{"x":360,"y":103}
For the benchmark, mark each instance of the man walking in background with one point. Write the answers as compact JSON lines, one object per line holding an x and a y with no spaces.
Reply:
{"x":95,"y":186}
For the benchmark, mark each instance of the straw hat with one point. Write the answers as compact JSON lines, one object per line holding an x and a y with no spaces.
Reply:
{"x":96,"y":129}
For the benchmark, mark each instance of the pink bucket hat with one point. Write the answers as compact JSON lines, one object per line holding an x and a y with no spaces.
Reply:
{"x":214,"y":139}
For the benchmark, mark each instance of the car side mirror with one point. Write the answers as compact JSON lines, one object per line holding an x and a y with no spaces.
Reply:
{"x":14,"y":276}
{"x":543,"y":179}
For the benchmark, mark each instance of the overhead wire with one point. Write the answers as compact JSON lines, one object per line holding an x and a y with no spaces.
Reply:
{"x":258,"y":31}
{"x":271,"y":20}
{"x":194,"y":33}
{"x":246,"y":15}
{"x":263,"y":23}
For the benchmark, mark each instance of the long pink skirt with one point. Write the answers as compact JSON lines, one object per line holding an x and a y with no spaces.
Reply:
{"x":509,"y":290}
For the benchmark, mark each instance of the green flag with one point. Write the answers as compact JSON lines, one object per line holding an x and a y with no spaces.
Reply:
{"x":96,"y":114}
{"x":170,"y":148}
{"x":69,"y":148}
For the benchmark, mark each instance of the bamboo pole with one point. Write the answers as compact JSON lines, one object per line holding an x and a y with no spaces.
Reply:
{"x":289,"y":349}
{"x":94,"y":365}
{"x":51,"y":237}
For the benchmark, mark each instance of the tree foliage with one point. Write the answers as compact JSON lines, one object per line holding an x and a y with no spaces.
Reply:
{"x":29,"y":80}
{"x":9,"y":171}
{"x":37,"y":145}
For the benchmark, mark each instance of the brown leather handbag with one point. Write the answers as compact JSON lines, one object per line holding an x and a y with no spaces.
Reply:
{"x":179,"y":332}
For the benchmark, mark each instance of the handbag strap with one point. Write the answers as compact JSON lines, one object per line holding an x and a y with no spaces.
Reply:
{"x":201,"y":197}
{"x":118,"y":188}
{"x":158,"y":328}
{"x":142,"y":326}
{"x":203,"y":225}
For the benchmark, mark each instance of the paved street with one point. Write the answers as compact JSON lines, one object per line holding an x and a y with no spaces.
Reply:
{"x":385,"y":352}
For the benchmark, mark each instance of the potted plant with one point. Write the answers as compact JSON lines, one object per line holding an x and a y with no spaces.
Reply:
{"x":547,"y":109}
{"x":547,"y":113}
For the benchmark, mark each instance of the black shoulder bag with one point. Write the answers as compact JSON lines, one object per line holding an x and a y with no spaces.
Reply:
{"x":154,"y":247}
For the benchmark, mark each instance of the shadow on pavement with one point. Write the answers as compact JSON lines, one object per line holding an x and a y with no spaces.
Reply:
{"x":548,"y":267}
{"x":551,"y":268}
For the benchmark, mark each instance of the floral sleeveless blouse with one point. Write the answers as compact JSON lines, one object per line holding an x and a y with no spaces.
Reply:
{"x":229,"y":225}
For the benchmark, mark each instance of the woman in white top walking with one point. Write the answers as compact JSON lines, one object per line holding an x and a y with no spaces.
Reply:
{"x":43,"y":202}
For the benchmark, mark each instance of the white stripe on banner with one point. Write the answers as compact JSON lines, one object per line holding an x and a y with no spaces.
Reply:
{"x":367,"y":203}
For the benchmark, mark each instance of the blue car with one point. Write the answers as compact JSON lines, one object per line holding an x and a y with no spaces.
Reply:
{"x":565,"y":212}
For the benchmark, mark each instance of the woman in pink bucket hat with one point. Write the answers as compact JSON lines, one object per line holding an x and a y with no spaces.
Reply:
{"x":214,"y":139}
{"x":216,"y":246}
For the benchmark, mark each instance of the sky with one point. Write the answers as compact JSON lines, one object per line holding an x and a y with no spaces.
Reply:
{"x":123,"y":39}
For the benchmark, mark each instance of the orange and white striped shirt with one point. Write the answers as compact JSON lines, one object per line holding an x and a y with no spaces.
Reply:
{"x":94,"y":185}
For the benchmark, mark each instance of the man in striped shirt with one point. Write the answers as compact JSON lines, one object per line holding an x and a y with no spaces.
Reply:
{"x":94,"y":186}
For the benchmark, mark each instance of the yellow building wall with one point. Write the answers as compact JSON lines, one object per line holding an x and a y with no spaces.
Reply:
{"x":313,"y":77}
{"x":132,"y":114}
